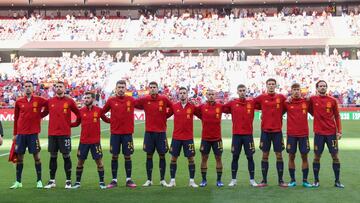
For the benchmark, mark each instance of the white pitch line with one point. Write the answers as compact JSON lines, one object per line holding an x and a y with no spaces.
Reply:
{"x":74,"y":136}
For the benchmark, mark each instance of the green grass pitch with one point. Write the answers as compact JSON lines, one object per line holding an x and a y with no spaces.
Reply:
{"x":89,"y":192}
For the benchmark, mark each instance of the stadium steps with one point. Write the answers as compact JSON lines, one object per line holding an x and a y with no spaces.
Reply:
{"x":339,"y":26}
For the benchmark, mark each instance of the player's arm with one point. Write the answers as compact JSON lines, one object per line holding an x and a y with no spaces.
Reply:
{"x":106,"y":108}
{"x":1,"y":134}
{"x":311,"y":106}
{"x":45,"y":110}
{"x":257,"y":102}
{"x":227,"y":108}
{"x":76,"y":111}
{"x":169,"y":111}
{"x":16,"y":118}
{"x":337,"y":120}
{"x":284,"y":104}
{"x":197,"y":112}
{"x":103,"y":116}
{"x":139,"y":103}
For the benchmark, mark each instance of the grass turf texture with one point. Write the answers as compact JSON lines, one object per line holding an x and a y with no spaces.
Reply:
{"x":89,"y":191}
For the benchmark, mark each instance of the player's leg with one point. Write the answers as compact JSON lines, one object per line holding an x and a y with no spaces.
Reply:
{"x":189,"y":153}
{"x":265,"y":144}
{"x":115,"y":145}
{"x":175,"y":149}
{"x":291,"y":146}
{"x":20,"y":151}
{"x":218,"y":149}
{"x":235,"y":150}
{"x":149,"y":148}
{"x":53,"y":148}
{"x":162,"y":147}
{"x":319,"y":142}
{"x":96,"y":152}
{"x":38,"y":169}
{"x":278,"y":144}
{"x":82,"y":154}
{"x":332,"y":144}
{"x":249,"y":148}
{"x":128,"y":150}
{"x":34,"y":149}
{"x":205,"y":150}
{"x":65,"y":149}
{"x":304,"y":148}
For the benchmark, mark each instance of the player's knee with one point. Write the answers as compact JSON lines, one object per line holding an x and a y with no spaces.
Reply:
{"x":161,"y":156}
{"x":173,"y":159}
{"x":149,"y":156}
{"x":304,"y":157}
{"x":191,"y":160}
{"x":265,"y":156}
{"x":218,"y":158}
{"x":335,"y":158}
{"x":317,"y":158}
{"x":127,"y":158}
{"x":292,"y":157}
{"x":115,"y":157}
{"x":66,"y":155}
{"x":204,"y":157}
{"x":53,"y":155}
{"x":236,"y":157}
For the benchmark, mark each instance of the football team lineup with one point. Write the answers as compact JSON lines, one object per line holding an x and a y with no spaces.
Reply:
{"x":327,"y":131}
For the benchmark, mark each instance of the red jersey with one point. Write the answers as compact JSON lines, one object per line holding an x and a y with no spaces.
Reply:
{"x":122,"y":114}
{"x":27,"y":115}
{"x":297,"y":117}
{"x":272,"y":109}
{"x":242,"y":115}
{"x":155,"y":109}
{"x":59,"y":109}
{"x":90,"y":124}
{"x":326,"y":115}
{"x":183,"y":121}
{"x":210,"y":115}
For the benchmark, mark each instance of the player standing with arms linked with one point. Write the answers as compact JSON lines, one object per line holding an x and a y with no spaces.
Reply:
{"x":327,"y":129}
{"x":27,"y":119}
{"x":155,"y":107}
{"x":271,"y":105}
{"x":59,"y":109}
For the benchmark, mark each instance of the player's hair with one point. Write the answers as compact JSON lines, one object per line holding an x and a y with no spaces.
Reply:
{"x":318,"y":82}
{"x":182,"y":88}
{"x":60,"y":82}
{"x":153,"y":83}
{"x":120,"y":82}
{"x":241,"y":86}
{"x":92,"y":94}
{"x":29,"y":81}
{"x":270,"y":79}
{"x":295,"y":85}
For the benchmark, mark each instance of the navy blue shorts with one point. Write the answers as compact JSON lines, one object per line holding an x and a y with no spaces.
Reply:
{"x":84,"y":149}
{"x":59,"y":143}
{"x":187,"y":145}
{"x":275,"y":137}
{"x":155,"y":140}
{"x":27,"y":141}
{"x":331,"y":142}
{"x":292,"y":142}
{"x":238,"y":141}
{"x":217,"y":147}
{"x":122,"y":141}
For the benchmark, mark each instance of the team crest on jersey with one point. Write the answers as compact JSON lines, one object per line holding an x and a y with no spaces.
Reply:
{"x":35,"y":104}
{"x":304,"y":105}
{"x":128,"y":103}
{"x":66,"y":105}
{"x":328,"y":105}
{"x":84,"y":115}
{"x":188,"y":110}
{"x":248,"y":106}
{"x":278,"y":100}
{"x":217,"y":110}
{"x":96,"y":114}
{"x":161,"y":103}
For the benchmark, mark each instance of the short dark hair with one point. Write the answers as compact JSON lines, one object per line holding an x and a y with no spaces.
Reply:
{"x":60,"y":82}
{"x":92,"y":94}
{"x":121,"y":82}
{"x":317,"y":84}
{"x":29,"y":81}
{"x":270,"y":79}
{"x":183,"y":88}
{"x":295,"y":85}
{"x":153,"y":83}
{"x":241,"y":86}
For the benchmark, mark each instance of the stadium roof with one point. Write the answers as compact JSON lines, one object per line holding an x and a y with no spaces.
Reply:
{"x":150,"y":2}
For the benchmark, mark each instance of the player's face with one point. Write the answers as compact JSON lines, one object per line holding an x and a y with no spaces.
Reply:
{"x":183,"y":95}
{"x":60,"y":89}
{"x":88,"y":100}
{"x":241,"y":92}
{"x":120,"y":89}
{"x":28,"y":88}
{"x":322,"y":88}
{"x":295,"y":92}
{"x":210,"y":96}
{"x":153,"y":89}
{"x":270,"y":86}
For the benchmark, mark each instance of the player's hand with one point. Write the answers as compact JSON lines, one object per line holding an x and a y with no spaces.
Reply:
{"x":1,"y":140}
{"x":307,"y":97}
{"x":14,"y":138}
{"x":338,"y":136}
{"x":288,"y":99}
